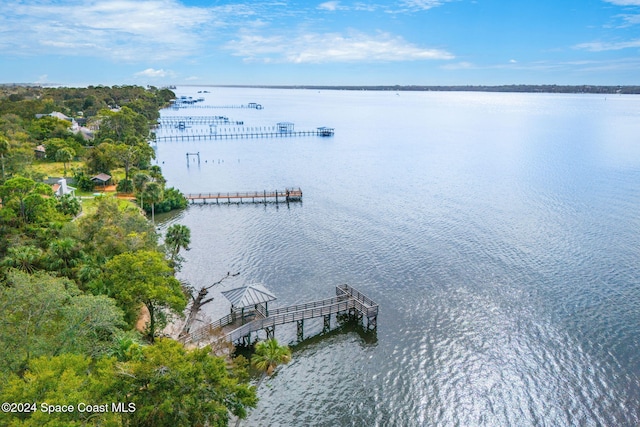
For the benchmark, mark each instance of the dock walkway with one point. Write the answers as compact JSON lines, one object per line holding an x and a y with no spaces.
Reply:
{"x":180,"y":105}
{"x":177,"y":121}
{"x":347,"y":300}
{"x":243,"y":135}
{"x":276,"y":196}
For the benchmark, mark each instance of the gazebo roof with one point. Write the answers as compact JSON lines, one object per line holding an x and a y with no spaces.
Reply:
{"x":249,"y":295}
{"x":101,"y":177}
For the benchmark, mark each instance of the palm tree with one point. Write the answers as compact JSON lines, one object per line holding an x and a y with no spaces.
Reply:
{"x":65,"y":155}
{"x":178,"y":237}
{"x":153,"y":192}
{"x":64,"y":255}
{"x":140,"y":181}
{"x":24,"y":258}
{"x":269,"y":354}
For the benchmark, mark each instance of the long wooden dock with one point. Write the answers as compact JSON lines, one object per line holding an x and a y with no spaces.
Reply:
{"x":180,"y":105}
{"x":248,"y":134}
{"x":178,"y":121}
{"x":347,"y":301}
{"x":276,"y":196}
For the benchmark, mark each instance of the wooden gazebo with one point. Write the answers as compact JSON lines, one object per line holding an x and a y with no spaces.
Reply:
{"x":101,"y":178}
{"x":254,"y":295}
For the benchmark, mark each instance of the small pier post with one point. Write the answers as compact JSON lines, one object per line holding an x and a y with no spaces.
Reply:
{"x":270,"y":330}
{"x":246,"y":340}
{"x":300,"y":329}
{"x":327,"y":324}
{"x":372,"y":323}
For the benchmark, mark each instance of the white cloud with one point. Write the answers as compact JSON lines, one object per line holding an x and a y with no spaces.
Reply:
{"x":459,"y":66}
{"x":332,"y":47}
{"x":151,"y":72}
{"x":117,"y":29}
{"x":330,"y":6}
{"x":624,"y":2}
{"x":423,"y":4}
{"x":603,"y":46}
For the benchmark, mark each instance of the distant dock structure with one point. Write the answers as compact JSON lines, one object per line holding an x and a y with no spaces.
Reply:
{"x":275,"y":196}
{"x":190,"y":103}
{"x":181,"y":122}
{"x":228,"y":131}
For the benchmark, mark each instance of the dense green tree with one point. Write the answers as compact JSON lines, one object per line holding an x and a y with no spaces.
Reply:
{"x":31,"y":201}
{"x":126,"y":155}
{"x":42,"y":315}
{"x":101,"y":158}
{"x":175,"y":387}
{"x":4,"y":150}
{"x":64,"y":256}
{"x":144,"y":277}
{"x":49,"y":127}
{"x":18,"y":152}
{"x":68,"y":205}
{"x":53,"y":145}
{"x":127,"y":346}
{"x":82,"y":180}
{"x":118,"y":125}
{"x":125,"y":186}
{"x":66,"y":379}
{"x":172,"y":199}
{"x":111,"y":230}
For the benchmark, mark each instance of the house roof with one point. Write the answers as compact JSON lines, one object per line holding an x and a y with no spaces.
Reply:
{"x":101,"y":177}
{"x":249,"y":295}
{"x":40,"y":149}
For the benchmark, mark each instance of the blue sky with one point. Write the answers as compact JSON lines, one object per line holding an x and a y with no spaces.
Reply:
{"x":421,"y":42}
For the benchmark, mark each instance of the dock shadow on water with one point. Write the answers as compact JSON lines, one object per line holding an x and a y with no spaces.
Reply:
{"x":345,"y":325}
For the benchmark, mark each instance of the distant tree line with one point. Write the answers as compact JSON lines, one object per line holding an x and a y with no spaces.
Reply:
{"x":475,"y":88}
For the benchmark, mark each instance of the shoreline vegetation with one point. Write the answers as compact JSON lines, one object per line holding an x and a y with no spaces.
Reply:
{"x":511,"y":88}
{"x":595,"y":89}
{"x":78,"y":270}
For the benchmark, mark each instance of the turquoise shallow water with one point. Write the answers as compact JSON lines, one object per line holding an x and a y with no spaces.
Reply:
{"x":498,"y":232}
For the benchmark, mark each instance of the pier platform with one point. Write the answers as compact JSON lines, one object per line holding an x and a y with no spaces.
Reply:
{"x":238,"y":326}
{"x":248,"y":134}
{"x":276,"y":196}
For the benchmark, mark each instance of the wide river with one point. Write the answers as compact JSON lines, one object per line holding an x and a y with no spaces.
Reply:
{"x":499,"y":233}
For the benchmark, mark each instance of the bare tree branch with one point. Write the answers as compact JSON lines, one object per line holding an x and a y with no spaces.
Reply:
{"x":199,"y":301}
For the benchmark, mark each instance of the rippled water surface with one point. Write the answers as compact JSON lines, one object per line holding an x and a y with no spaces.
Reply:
{"x":498,"y":232}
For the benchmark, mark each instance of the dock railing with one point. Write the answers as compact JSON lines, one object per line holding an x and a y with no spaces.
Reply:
{"x":347,"y":300}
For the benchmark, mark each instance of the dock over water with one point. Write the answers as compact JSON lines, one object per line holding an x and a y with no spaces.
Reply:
{"x":244,"y":134}
{"x":238,"y":326}
{"x":275,"y":196}
{"x":191,"y":105}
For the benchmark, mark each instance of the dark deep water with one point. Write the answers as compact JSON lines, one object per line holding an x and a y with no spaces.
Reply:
{"x":498,"y":232}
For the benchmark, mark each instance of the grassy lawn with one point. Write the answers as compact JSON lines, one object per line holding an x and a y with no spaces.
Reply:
{"x":89,"y":202}
{"x":53,"y":169}
{"x":56,"y":169}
